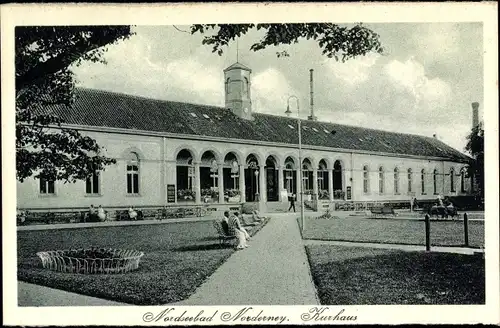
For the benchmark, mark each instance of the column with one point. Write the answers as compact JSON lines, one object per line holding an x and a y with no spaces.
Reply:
{"x":197,"y":189}
{"x":220,"y":182}
{"x":281,"y":182}
{"x":315,"y":183}
{"x":330,"y":184}
{"x":242,"y":183}
{"x":262,"y":184}
{"x":298,"y":186}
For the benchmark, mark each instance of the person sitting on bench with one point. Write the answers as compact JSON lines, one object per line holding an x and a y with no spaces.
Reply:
{"x":234,"y":227}
{"x":132,"y":214}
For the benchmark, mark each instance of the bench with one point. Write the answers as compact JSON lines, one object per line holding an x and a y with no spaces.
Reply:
{"x":385,"y":210}
{"x":51,"y":217}
{"x":122,"y":215}
{"x":223,"y":237}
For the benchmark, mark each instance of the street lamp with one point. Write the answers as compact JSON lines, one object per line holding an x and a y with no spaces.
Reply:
{"x":299,"y":183}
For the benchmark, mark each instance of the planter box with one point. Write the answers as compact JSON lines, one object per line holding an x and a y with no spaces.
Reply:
{"x":235,"y":199}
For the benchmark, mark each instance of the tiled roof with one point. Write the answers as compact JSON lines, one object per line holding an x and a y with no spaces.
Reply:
{"x":108,"y":109}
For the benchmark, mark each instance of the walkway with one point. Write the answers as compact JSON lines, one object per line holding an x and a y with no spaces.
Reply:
{"x":274,"y":270}
{"x":401,"y":247}
{"x":108,"y":223}
{"x":35,"y":295}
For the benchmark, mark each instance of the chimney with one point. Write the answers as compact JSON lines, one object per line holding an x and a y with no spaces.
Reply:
{"x":311,"y":117}
{"x":475,"y":114}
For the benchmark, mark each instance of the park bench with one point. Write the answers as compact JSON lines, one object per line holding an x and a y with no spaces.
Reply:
{"x":223,"y":237}
{"x":122,"y":215}
{"x":53,"y":217}
{"x":385,"y":210}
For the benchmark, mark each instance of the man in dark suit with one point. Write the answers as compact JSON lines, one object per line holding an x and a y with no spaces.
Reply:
{"x":291,"y":198}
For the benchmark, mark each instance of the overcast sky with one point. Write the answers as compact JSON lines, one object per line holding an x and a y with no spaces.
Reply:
{"x":423,"y":84}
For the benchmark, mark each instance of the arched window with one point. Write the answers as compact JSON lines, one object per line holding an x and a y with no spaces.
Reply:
{"x":410,"y":180}
{"x":452,"y":180}
{"x":396,"y":180}
{"x":133,"y":173}
{"x":366,"y":180}
{"x":462,"y":180}
{"x":381,"y":180}
{"x":435,"y":180}
{"x":227,"y":85}
{"x":246,"y":88}
{"x":422,"y":181}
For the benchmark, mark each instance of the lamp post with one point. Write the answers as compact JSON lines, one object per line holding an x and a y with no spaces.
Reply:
{"x":300,"y":182}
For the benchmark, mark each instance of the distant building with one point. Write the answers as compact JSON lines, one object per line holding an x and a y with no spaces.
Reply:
{"x":171,"y":153}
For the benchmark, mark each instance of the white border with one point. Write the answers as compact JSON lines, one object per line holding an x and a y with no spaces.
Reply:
{"x":88,"y":14}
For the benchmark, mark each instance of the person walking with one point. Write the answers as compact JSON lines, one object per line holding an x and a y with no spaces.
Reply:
{"x":292,"y":202}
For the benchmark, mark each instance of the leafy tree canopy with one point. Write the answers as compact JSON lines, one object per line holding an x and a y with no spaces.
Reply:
{"x":43,"y":55}
{"x":335,"y":41}
{"x":475,"y":147}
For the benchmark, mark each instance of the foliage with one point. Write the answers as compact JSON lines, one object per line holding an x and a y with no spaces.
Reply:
{"x":44,"y":56}
{"x":170,"y":271}
{"x":338,"y":194}
{"x":361,"y":276}
{"x":475,"y":147}
{"x":324,"y":194}
{"x":335,"y":41}
{"x":186,"y":194}
{"x":231,"y":192}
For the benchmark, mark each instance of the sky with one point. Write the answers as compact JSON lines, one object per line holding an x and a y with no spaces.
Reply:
{"x":424,"y":83}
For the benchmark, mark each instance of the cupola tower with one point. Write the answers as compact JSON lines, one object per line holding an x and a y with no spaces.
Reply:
{"x":237,"y":87}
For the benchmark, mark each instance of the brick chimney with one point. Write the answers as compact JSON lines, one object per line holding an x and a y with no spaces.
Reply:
{"x":311,"y":89}
{"x":475,"y":114}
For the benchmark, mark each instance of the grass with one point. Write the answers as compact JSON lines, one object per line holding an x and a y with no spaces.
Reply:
{"x":366,"y":276}
{"x":178,"y":258}
{"x":397,"y":231}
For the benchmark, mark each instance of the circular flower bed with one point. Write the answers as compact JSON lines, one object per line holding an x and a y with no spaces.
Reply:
{"x":91,"y":261}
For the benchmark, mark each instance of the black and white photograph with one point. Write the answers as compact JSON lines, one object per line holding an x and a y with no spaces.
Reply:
{"x":242,"y":164}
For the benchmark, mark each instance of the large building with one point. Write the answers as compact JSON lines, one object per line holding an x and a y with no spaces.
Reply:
{"x":172,"y":153}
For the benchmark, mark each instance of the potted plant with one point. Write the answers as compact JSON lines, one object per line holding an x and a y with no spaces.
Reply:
{"x":307,"y":195}
{"x":323,"y":194}
{"x":232,"y":195}
{"x":338,"y":194}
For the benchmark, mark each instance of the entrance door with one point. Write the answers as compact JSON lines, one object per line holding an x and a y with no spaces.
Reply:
{"x":272,"y":184}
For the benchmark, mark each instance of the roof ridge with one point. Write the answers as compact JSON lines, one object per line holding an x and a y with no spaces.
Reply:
{"x":127,"y":95}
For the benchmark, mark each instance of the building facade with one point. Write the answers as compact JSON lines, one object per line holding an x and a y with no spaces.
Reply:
{"x":173,"y":154}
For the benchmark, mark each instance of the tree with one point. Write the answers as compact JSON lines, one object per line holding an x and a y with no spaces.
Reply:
{"x":475,"y":147}
{"x":339,"y":42}
{"x":44,"y":56}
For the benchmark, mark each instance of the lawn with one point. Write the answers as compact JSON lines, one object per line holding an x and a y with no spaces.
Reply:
{"x":178,"y":258}
{"x":367,"y":276}
{"x":397,"y":231}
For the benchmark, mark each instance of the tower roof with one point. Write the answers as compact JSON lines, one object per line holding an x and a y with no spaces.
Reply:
{"x":237,"y":65}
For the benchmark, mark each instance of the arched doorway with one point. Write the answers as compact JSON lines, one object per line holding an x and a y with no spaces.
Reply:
{"x":231,"y":174}
{"x":337,"y":181}
{"x":251,"y":178}
{"x":185,"y":176}
{"x":209,"y":177}
{"x":290,"y":176}
{"x":272,"y":179}
{"x":307,"y":177}
{"x":323,"y":180}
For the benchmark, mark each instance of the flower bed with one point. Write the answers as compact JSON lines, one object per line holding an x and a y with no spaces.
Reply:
{"x":91,"y":261}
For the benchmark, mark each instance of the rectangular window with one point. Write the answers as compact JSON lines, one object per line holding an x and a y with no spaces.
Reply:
{"x":92,"y":184}
{"x":132,"y":179}
{"x":47,"y":186}
{"x":422,"y":183}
